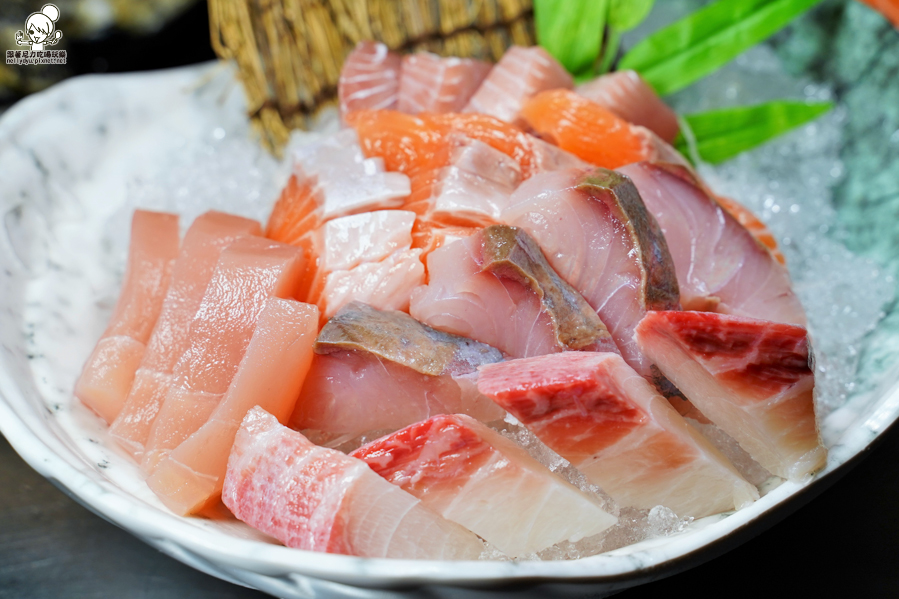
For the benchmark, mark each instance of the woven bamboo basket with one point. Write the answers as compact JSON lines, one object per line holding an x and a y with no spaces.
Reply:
{"x":289,"y":52}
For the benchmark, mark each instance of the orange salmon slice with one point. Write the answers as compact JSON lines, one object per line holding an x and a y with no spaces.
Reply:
{"x":107,"y":377}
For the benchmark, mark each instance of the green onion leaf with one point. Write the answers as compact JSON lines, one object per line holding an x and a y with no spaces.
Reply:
{"x":571,"y":30}
{"x":722,"y":134}
{"x":679,"y":54}
{"x":624,"y":15}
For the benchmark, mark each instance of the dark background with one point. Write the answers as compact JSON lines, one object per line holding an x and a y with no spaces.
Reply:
{"x":843,"y":543}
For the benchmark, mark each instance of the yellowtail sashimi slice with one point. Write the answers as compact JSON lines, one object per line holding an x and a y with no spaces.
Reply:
{"x":429,"y":83}
{"x":270,"y":376}
{"x":318,"y":499}
{"x":369,"y":79}
{"x":610,"y":423}
{"x":472,"y":475}
{"x":248,"y":273}
{"x":750,"y":377}
{"x":720,"y":266}
{"x":107,"y":377}
{"x":204,"y":241}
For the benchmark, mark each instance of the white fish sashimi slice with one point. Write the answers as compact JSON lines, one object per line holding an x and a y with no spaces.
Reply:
{"x":481,"y":159}
{"x":429,"y":83}
{"x":368,"y":237}
{"x":318,"y":499}
{"x":472,"y":475}
{"x":548,"y":157}
{"x":466,"y":198}
{"x":720,"y":266}
{"x":369,"y":79}
{"x":386,"y":285}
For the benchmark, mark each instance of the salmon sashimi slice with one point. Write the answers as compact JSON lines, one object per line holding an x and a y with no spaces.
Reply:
{"x":295,"y":213}
{"x":472,"y":475}
{"x":497,"y":287}
{"x":429,"y":83}
{"x":378,"y":370}
{"x":270,"y":376}
{"x":598,"y":236}
{"x":318,"y":499}
{"x":386,"y":285}
{"x":519,"y":74}
{"x":593,"y":410}
{"x":588,"y":130}
{"x":203,"y":243}
{"x":750,"y":377}
{"x":720,"y":266}
{"x":752,"y":223}
{"x":109,"y":372}
{"x":626,"y":94}
{"x":370,"y":78}
{"x":248,"y":272}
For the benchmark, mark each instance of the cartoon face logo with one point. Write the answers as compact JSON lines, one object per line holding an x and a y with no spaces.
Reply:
{"x":40,"y":29}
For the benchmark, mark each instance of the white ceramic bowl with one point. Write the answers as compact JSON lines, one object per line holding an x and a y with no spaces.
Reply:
{"x":70,"y":160}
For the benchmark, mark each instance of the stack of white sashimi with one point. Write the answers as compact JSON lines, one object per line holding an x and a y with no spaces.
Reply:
{"x":480,"y":248}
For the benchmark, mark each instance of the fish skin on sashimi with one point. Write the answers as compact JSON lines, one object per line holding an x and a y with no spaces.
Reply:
{"x":248,"y":273}
{"x":750,"y":377}
{"x":429,"y":83}
{"x":270,"y":376}
{"x":593,"y":410}
{"x":318,"y":499}
{"x":472,"y":475}
{"x":108,"y":374}
{"x":720,"y":265}
{"x":208,"y":235}
{"x":369,"y":78}
{"x":598,"y":236}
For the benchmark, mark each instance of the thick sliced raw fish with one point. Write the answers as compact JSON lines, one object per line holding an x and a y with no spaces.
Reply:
{"x":378,"y":370}
{"x":369,"y":79}
{"x":720,"y":266}
{"x":750,"y":377}
{"x":386,"y":285}
{"x":627,"y":95}
{"x":496,"y":287}
{"x":318,"y":499}
{"x":204,"y":241}
{"x":107,"y":377}
{"x":610,"y":423}
{"x":248,"y":273}
{"x":752,"y":223}
{"x":472,"y":475}
{"x":429,"y":83}
{"x":270,"y":376}
{"x":596,"y":233}
{"x":519,"y":74}
{"x":548,"y":157}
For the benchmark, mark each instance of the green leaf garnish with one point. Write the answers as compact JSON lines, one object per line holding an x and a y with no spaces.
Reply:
{"x":571,"y":30}
{"x":624,"y":15}
{"x":679,"y":54}
{"x":722,"y":134}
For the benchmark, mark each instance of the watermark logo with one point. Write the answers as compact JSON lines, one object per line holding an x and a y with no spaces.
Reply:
{"x":40,"y":31}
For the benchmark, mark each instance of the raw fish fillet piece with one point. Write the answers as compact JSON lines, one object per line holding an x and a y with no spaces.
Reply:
{"x":482,"y":159}
{"x":377,"y":370}
{"x":627,"y":95}
{"x":519,"y":74}
{"x":296,"y":212}
{"x":429,"y":83}
{"x":429,"y":236}
{"x":752,"y":223}
{"x":610,"y":423}
{"x":750,"y":377}
{"x":270,"y":376}
{"x":318,"y":499}
{"x":386,"y":285}
{"x":548,"y":157}
{"x":248,"y":273}
{"x":472,"y":475}
{"x":369,"y":79}
{"x":107,"y":377}
{"x":496,"y":287}
{"x":596,"y":233}
{"x":204,"y":241}
{"x":720,"y":266}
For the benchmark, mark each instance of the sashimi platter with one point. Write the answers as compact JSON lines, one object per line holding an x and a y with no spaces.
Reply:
{"x":484,"y":324}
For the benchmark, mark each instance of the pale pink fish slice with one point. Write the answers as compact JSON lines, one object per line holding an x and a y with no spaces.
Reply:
{"x":204,"y":241}
{"x":479,"y":158}
{"x":497,"y":288}
{"x":519,"y":74}
{"x":318,"y":499}
{"x":369,"y":79}
{"x":472,"y":475}
{"x":720,"y":265}
{"x":429,"y":83}
{"x":596,"y":233}
{"x":270,"y":376}
{"x":464,"y":198}
{"x":368,"y":237}
{"x":750,"y":377}
{"x":548,"y":157}
{"x":627,"y":95}
{"x":386,"y":285}
{"x":107,"y":377}
{"x":610,"y":423}
{"x":248,"y":273}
